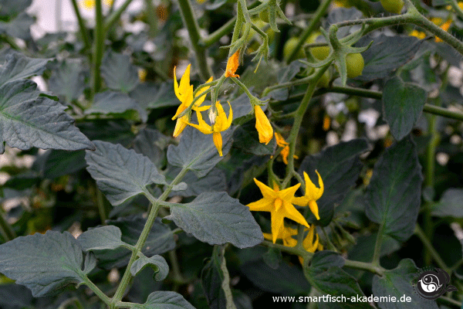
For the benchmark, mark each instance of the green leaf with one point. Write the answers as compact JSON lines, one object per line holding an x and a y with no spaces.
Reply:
{"x":285,"y":75}
{"x":151,"y":143}
{"x":10,"y":8}
{"x":394,"y":194}
{"x":160,"y":240}
{"x":216,"y":218}
{"x":157,"y":263}
{"x":118,"y":73}
{"x":45,"y":263}
{"x":403,"y":104}
{"x":249,"y":140}
{"x":214,"y":181}
{"x":18,"y":67}
{"x":365,"y":246}
{"x":14,"y":296}
{"x":116,"y":132}
{"x":386,"y":54}
{"x":339,"y":166}
{"x":60,"y":162}
{"x":101,"y":238}
{"x":116,"y":104}
{"x":326,"y":275}
{"x":121,"y":173}
{"x":285,"y":280}
{"x":18,"y":27}
{"x":397,"y":283}
{"x":68,"y":80}
{"x":215,"y":280}
{"x":165,"y":300}
{"x":27,"y":120}
{"x":342,"y":14}
{"x":449,"y":204}
{"x":196,"y":151}
{"x":152,"y":96}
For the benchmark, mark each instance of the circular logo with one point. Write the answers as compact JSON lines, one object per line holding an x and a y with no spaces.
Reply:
{"x":431,"y":284}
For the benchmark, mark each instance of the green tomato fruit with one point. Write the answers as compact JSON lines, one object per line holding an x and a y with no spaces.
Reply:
{"x":324,"y":81}
{"x":393,"y":6}
{"x":264,"y":16}
{"x":320,"y":53}
{"x":290,"y":45}
{"x":355,"y":64}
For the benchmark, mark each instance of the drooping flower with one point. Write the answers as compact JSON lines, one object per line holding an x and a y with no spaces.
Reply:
{"x":312,"y":194}
{"x":309,"y":244}
{"x":184,"y":93}
{"x":285,"y":151}
{"x":232,"y":65}
{"x":263,"y":126}
{"x":279,"y":204}
{"x":221,"y":124}
{"x":286,"y":234}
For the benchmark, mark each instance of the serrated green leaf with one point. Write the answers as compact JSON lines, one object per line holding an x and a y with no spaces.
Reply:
{"x":160,"y":240}
{"x":121,"y":173}
{"x":216,"y":218}
{"x":402,"y":104}
{"x":165,"y":300}
{"x":393,"y":195}
{"x":196,"y":151}
{"x":157,"y":263}
{"x":365,"y":246}
{"x":117,"y":104}
{"x":118,"y":73}
{"x":339,"y":167}
{"x":101,"y":238}
{"x":18,"y":67}
{"x":28,"y":120}
{"x":449,"y":204}
{"x":386,"y":54}
{"x":249,"y":140}
{"x":68,"y":80}
{"x":397,"y":283}
{"x":152,"y":96}
{"x":44,"y":262}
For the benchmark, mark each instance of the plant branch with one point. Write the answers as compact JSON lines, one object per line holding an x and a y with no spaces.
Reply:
{"x":114,"y":17}
{"x":98,"y":48}
{"x":5,"y":229}
{"x":96,"y":290}
{"x":193,"y":29}
{"x":82,"y":27}
{"x":364,"y":266}
{"x":428,"y":245}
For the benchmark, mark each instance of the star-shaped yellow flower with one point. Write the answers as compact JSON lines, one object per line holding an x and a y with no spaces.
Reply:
{"x":286,"y":234}
{"x":309,"y":244}
{"x":232,"y":65}
{"x":263,"y":126}
{"x":184,"y":93}
{"x":285,"y":151}
{"x":312,"y":194}
{"x":221,"y":124}
{"x":278,"y":203}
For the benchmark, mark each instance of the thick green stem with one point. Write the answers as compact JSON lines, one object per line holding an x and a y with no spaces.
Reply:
{"x":193,"y":30}
{"x":378,"y":244}
{"x":127,"y":277}
{"x":365,"y":266}
{"x":219,"y":33}
{"x":310,"y":28}
{"x":96,"y":290}
{"x":429,"y":247}
{"x":82,"y":27}
{"x":98,"y":48}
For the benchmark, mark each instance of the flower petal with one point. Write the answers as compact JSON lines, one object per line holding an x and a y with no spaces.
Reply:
{"x":263,"y":126}
{"x":277,"y":221}
{"x":288,"y":193}
{"x":217,"y":138}
{"x":266,"y":191}
{"x":292,"y":213}
{"x":261,"y":205}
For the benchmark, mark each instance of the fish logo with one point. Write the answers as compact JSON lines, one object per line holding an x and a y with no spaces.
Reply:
{"x":431,"y":284}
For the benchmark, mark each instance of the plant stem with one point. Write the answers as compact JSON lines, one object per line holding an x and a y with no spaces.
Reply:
{"x":6,"y":229}
{"x":219,"y":33}
{"x":127,"y":277}
{"x":98,"y":46}
{"x":114,"y":17}
{"x":298,"y":121}
{"x":82,"y":27}
{"x":152,"y":18}
{"x":193,"y":29}
{"x":321,"y":10}
{"x":96,"y":290}
{"x":455,"y":6}
{"x":378,"y":243}
{"x":365,"y":266}
{"x":101,"y":206}
{"x":428,"y":245}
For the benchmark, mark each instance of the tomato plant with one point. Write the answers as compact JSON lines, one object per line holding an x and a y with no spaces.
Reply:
{"x":232,"y":154}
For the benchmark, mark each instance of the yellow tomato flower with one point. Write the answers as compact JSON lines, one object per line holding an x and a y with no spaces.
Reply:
{"x":279,"y":204}
{"x":263,"y":126}
{"x":309,"y":244}
{"x":142,"y":73}
{"x":221,"y":124}
{"x":184,"y":93}
{"x":285,"y":151}
{"x":90,"y":4}
{"x":312,"y":194}
{"x":420,"y":35}
{"x":232,"y":65}
{"x":286,"y":234}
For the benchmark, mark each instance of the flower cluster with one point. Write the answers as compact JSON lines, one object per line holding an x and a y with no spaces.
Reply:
{"x":280,"y":204}
{"x":191,"y":100}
